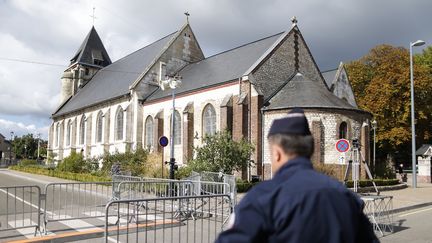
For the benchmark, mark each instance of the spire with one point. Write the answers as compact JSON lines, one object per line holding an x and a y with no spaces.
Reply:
{"x":92,"y":51}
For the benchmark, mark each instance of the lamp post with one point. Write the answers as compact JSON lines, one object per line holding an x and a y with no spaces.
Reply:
{"x":172,"y":83}
{"x":38,"y":144}
{"x":374,"y":127}
{"x":413,"y":145}
{"x":11,"y":148}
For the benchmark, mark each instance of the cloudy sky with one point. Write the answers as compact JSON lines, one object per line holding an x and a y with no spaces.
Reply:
{"x":34,"y":33}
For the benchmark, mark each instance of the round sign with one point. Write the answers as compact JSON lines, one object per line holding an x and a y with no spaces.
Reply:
{"x":342,"y":145}
{"x":163,"y":141}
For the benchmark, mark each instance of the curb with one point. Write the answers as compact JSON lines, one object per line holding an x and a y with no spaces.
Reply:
{"x":408,"y":208}
{"x":381,"y":188}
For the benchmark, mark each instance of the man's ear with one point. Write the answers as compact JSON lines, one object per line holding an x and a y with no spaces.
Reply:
{"x":278,"y":154}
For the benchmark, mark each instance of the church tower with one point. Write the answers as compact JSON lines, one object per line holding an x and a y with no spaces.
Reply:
{"x":90,"y":58}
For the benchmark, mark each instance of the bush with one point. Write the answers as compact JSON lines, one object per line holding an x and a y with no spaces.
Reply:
{"x":220,"y":153}
{"x":154,"y":166}
{"x":378,"y":182}
{"x":244,"y":186}
{"x":134,"y":162}
{"x":73,"y":163}
{"x":28,"y":162}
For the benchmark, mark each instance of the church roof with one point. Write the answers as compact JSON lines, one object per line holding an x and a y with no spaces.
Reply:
{"x":92,"y":48}
{"x":226,"y":66}
{"x":114,"y":80}
{"x":329,"y":76}
{"x":299,"y":91}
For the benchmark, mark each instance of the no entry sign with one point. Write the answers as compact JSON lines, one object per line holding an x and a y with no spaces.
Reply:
{"x":342,"y":145}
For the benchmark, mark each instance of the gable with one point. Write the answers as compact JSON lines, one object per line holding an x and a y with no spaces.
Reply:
{"x":182,"y":50}
{"x":289,"y":56}
{"x":341,"y":86}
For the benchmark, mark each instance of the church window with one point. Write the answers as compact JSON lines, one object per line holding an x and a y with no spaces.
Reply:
{"x":69,"y":133}
{"x":99,"y":127}
{"x":58,"y":135}
{"x":177,"y":128}
{"x":149,"y":132}
{"x":162,"y":71}
{"x":119,"y":124}
{"x":343,"y":130}
{"x":82,"y":130}
{"x":209,"y":120}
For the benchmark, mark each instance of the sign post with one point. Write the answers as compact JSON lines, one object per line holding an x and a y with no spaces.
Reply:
{"x":163,"y":142}
{"x":342,"y":146}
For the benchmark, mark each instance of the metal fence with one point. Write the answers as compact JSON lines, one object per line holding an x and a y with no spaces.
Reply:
{"x":20,"y":207}
{"x":379,"y":210}
{"x":67,"y":201}
{"x":172,"y":219}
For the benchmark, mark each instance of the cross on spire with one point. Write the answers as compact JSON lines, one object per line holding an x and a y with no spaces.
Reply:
{"x":93,"y":15}
{"x":294,"y":21}
{"x":187,"y":16}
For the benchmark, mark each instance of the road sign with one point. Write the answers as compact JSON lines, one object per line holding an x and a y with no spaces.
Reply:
{"x":342,"y":145}
{"x":163,"y":141}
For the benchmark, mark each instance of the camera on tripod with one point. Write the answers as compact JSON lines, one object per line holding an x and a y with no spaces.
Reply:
{"x":356,"y":143}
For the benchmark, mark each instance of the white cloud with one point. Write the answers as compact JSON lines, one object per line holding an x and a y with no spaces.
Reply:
{"x":21,"y":129}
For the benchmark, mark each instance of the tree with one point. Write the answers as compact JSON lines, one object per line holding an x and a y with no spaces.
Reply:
{"x":381,"y":83}
{"x":220,"y":153}
{"x":25,"y":146}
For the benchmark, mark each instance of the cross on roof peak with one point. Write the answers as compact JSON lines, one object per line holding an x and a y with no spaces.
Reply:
{"x":93,"y":16}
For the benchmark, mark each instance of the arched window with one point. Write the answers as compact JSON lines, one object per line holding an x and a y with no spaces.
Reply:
{"x":68,"y":133}
{"x":58,"y":135}
{"x":119,"y":124}
{"x":82,"y":130}
{"x":99,"y":127}
{"x":343,"y":130}
{"x":148,"y":132}
{"x":209,"y":120}
{"x":177,"y":128}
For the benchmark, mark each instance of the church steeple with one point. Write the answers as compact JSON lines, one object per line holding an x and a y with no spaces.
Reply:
{"x":92,"y":51}
{"x":90,"y":57}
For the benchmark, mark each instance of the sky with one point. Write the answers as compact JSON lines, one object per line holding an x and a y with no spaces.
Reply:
{"x":35,"y":33}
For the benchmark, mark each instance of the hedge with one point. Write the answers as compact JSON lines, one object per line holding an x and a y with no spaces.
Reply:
{"x":84,"y":177}
{"x":378,"y":182}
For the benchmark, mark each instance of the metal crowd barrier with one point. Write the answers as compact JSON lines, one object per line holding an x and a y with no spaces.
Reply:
{"x":153,"y":189}
{"x":170,"y":219}
{"x":20,"y":207}
{"x":379,"y":211}
{"x":67,"y":201}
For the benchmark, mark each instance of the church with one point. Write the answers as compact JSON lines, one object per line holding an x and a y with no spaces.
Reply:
{"x":119,"y":106}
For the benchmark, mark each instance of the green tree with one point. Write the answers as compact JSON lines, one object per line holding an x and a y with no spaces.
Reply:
{"x":25,"y":146}
{"x":220,"y":153}
{"x":381,"y":83}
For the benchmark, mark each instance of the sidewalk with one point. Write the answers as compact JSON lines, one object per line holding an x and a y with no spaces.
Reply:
{"x":410,"y":197}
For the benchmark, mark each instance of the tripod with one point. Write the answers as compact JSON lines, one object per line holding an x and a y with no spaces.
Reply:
{"x":354,"y":163}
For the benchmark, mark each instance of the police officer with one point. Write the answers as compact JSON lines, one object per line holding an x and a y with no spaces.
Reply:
{"x":299,"y":204}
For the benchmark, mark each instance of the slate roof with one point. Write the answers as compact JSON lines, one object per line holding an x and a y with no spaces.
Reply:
{"x":302,"y":92}
{"x":222,"y":67}
{"x":329,"y":76}
{"x":114,"y":80}
{"x":92,"y":47}
{"x":423,"y":149}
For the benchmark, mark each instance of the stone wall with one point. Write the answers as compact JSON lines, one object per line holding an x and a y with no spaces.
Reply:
{"x":324,"y":125}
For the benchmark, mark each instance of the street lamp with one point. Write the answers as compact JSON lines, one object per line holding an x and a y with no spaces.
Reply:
{"x":171,"y":83}
{"x":38,"y":144}
{"x":10,"y":152}
{"x":374,"y":127}
{"x":413,"y":145}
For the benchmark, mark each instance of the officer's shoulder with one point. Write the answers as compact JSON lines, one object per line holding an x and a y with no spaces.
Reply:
{"x":263,"y":188}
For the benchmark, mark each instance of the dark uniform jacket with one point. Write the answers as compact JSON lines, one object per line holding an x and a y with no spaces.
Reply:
{"x":299,"y":205}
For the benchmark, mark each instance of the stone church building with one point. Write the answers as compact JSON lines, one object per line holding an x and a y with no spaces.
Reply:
{"x":118,"y":106}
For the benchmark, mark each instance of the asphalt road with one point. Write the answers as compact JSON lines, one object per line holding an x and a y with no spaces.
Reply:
{"x":412,"y":226}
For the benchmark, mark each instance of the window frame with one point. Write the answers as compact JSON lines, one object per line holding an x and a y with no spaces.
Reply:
{"x":205,"y":118}
{"x":99,"y":127}
{"x":149,"y":135}
{"x":117,"y":132}
{"x":82,"y":131}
